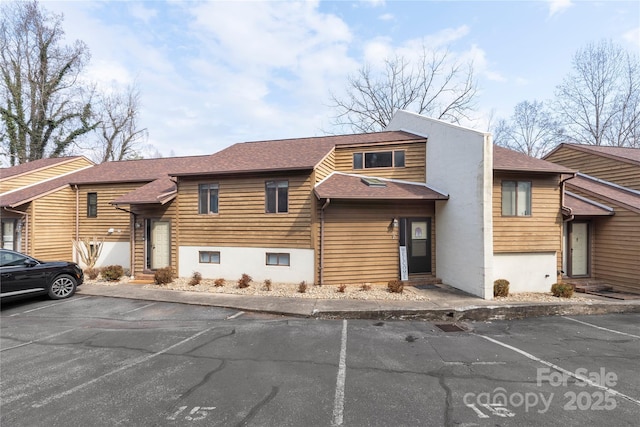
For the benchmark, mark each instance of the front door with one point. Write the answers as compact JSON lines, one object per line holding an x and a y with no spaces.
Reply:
{"x":578,"y":249}
{"x":159,"y":244}
{"x":416,"y":236}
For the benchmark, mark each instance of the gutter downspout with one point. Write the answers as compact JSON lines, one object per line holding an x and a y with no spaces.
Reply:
{"x":326,"y":203}
{"x":25,"y":216}
{"x":564,"y":238}
{"x":132,"y":239}
{"x":562,"y":181}
{"x":77,"y":231}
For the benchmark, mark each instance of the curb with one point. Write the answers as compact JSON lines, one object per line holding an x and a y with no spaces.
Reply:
{"x":476,"y":313}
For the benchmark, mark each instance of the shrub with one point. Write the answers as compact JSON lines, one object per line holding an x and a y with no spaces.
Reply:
{"x":267,"y":284}
{"x":219,"y":282}
{"x":302,"y":287}
{"x":365,"y":287}
{"x":196,"y":278}
{"x":112,"y":272}
{"x":395,"y":286}
{"x":562,"y":290}
{"x":244,"y":281}
{"x":501,"y":288}
{"x":162,"y":276}
{"x":92,"y":273}
{"x":342,"y":288}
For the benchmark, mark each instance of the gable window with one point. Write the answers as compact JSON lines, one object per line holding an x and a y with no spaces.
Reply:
{"x":208,"y":198}
{"x":209,"y":257}
{"x":281,"y":259}
{"x":92,"y":205}
{"x":378,"y":159}
{"x":516,"y":198}
{"x":277,"y":196}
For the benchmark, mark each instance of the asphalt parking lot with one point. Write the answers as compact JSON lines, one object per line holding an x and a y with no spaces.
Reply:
{"x":109,"y":362}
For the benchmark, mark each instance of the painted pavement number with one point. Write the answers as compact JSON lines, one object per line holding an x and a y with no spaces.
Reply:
{"x":196,"y":413}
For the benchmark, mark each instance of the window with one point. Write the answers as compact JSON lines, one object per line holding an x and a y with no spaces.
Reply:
{"x":277,"y":259}
{"x":516,"y":198}
{"x":92,"y":205}
{"x":209,"y":257}
{"x":277,"y":196}
{"x":208,"y":198}
{"x":357,"y":160}
{"x":378,"y":159}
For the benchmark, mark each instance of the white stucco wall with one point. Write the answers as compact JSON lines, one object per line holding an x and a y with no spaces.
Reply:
{"x":113,"y":253}
{"x":526,"y":272}
{"x":459,"y":163}
{"x":235,"y":261}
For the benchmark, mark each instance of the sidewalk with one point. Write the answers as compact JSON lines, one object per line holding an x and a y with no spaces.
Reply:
{"x":443,"y":304}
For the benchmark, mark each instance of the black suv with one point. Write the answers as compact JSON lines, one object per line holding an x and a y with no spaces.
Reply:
{"x":23,"y":276}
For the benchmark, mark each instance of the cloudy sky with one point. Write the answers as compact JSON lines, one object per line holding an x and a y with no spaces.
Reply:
{"x":212,"y":73}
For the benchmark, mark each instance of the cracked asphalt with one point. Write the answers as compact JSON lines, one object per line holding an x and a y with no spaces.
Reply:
{"x":96,"y":361}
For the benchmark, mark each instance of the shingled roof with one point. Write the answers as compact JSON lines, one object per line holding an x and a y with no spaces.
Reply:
{"x":286,"y":154}
{"x":612,"y":193}
{"x":340,"y":185}
{"x":582,"y":206}
{"x":505,"y":159}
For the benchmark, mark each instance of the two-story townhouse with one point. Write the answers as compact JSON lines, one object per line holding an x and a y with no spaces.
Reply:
{"x":35,"y":206}
{"x":602,"y":204}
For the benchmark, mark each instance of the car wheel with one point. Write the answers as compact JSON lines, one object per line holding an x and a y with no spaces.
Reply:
{"x":63,"y":286}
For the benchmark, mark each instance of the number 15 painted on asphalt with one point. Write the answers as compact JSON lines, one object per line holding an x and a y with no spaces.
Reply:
{"x":197,"y":413}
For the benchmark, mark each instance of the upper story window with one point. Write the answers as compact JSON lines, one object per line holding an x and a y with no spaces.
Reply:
{"x":378,"y":159}
{"x":516,"y":198}
{"x":276,"y":198}
{"x":208,"y":198}
{"x":92,"y":205}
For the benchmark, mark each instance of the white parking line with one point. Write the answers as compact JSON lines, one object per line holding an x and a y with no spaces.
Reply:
{"x":139,"y":308}
{"x":233,"y":316}
{"x":338,"y":403}
{"x":600,"y":327}
{"x":564,"y":371}
{"x":50,"y":305}
{"x":41,"y":339}
{"x":134,"y":362}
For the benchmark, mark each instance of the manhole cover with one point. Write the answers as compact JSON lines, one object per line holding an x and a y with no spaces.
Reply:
{"x":450,"y":327}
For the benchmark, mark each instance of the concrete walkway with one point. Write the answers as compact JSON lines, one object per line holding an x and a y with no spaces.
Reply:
{"x":444,"y":304}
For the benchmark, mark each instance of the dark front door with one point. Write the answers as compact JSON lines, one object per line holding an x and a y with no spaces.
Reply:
{"x":415,"y":234}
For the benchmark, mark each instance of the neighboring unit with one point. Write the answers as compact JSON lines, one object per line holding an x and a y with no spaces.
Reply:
{"x":602,"y":209}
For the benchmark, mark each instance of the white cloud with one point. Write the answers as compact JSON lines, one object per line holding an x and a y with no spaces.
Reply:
{"x":386,"y":17}
{"x":558,"y":6}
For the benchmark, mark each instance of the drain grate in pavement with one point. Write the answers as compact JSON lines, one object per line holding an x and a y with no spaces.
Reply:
{"x":449,"y":327}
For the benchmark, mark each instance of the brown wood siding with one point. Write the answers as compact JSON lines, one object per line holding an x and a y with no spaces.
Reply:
{"x":165,"y":212}
{"x":42,"y":175}
{"x":325,"y":167}
{"x":359,"y":247}
{"x":242,"y":221}
{"x":540,"y":232}
{"x":108,"y":216}
{"x":616,"y":171}
{"x":415,"y":161}
{"x":52,"y":229}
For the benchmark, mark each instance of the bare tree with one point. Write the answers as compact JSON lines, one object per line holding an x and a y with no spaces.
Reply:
{"x":599,"y":101}
{"x":531,"y":130}
{"x":436,"y":86}
{"x":119,"y":135}
{"x":42,"y":110}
